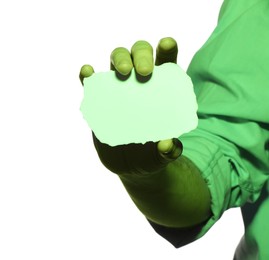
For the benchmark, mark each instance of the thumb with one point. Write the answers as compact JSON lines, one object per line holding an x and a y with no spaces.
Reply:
{"x":170,"y":149}
{"x":85,"y":72}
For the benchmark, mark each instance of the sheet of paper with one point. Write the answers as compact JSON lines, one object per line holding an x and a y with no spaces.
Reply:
{"x":122,"y":112}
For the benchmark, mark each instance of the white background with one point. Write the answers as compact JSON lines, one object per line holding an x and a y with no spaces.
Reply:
{"x":57,"y":201}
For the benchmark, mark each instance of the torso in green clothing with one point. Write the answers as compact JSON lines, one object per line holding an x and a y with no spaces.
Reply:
{"x":231,"y":79}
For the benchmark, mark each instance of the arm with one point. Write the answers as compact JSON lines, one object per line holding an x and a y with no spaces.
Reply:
{"x":167,"y":188}
{"x":176,"y":196}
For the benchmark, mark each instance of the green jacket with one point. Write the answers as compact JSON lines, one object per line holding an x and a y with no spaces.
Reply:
{"x":230,"y":74}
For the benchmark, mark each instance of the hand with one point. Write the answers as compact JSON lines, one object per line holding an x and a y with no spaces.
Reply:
{"x":151,"y":156}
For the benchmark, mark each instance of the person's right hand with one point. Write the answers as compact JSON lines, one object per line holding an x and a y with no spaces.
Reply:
{"x":151,"y":156}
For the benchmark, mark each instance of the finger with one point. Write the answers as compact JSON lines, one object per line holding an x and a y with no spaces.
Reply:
{"x":120,"y":60}
{"x":85,"y":72}
{"x":170,"y":149}
{"x":167,"y":51}
{"x":142,"y":54}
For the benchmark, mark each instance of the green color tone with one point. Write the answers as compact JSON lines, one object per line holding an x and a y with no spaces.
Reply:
{"x":121,"y":61}
{"x":166,"y":51}
{"x":85,"y":72}
{"x":141,"y":57}
{"x":167,"y":198}
{"x":135,"y":112}
{"x":230,"y":145}
{"x":142,"y":54}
